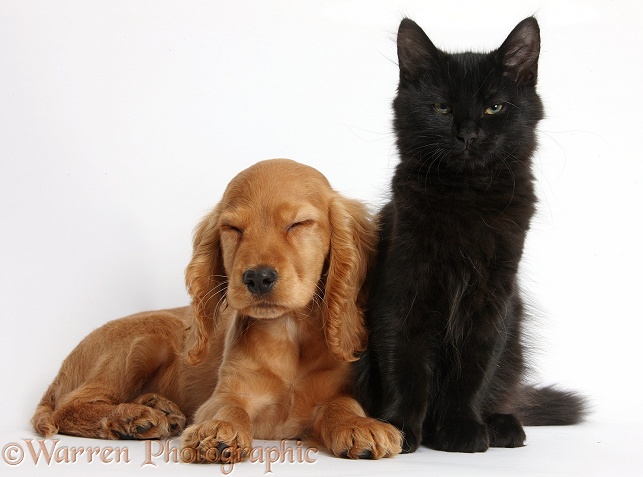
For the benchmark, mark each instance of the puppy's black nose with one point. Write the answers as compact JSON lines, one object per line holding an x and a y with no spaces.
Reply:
{"x":260,"y":280}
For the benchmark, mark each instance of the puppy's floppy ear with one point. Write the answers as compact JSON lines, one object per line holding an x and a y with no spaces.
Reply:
{"x":352,"y":249}
{"x":206,"y":282}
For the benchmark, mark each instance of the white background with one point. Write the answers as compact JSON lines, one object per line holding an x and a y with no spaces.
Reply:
{"x":121,"y":122}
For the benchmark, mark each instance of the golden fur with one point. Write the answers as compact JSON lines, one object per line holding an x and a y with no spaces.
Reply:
{"x":241,"y":363}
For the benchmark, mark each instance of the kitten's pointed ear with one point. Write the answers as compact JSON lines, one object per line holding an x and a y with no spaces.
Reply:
{"x":519,"y":53}
{"x":414,"y":50}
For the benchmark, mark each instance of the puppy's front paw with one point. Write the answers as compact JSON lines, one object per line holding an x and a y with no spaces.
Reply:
{"x":364,"y":438}
{"x":216,"y":441}
{"x":461,"y":436}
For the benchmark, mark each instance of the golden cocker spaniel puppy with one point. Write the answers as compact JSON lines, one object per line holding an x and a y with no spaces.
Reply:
{"x":264,"y":350}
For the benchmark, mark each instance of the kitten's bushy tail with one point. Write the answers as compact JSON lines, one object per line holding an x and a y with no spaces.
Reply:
{"x":548,"y":406}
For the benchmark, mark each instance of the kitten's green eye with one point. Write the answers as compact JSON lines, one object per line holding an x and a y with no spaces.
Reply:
{"x":442,"y":108}
{"x":495,"y":109}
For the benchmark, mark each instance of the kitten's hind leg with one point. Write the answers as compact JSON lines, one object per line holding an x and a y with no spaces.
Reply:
{"x":466,"y":435}
{"x":505,"y":431}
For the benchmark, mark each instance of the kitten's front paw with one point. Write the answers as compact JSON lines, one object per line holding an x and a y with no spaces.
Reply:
{"x":461,"y":436}
{"x":505,"y":431}
{"x":215,"y":441}
{"x":411,"y":440}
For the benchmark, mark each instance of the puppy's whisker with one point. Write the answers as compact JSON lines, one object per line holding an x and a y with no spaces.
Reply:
{"x":212,"y":293}
{"x":220,"y":289}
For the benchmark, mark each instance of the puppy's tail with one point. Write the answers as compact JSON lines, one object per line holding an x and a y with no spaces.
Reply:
{"x":548,"y":406}
{"x":43,"y":419}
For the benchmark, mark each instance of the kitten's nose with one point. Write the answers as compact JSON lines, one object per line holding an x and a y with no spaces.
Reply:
{"x":467,"y":136}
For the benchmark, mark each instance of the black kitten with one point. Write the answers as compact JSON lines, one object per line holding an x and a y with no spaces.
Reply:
{"x":444,"y":361}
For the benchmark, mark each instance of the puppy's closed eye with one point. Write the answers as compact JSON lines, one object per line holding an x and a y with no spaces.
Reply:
{"x":231,"y":222}
{"x":232,"y":228}
{"x":299,"y":224}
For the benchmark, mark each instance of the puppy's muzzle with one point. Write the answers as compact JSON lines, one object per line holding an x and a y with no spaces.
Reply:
{"x":260,"y":280}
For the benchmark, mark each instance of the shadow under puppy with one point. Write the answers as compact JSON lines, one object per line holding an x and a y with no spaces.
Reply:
{"x":263,"y":351}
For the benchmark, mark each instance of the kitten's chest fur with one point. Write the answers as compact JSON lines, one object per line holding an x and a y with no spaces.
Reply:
{"x":464,"y":213}
{"x":466,"y":234}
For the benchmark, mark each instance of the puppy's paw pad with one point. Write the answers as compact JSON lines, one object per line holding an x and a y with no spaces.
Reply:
{"x":215,"y":441}
{"x":175,"y":418}
{"x":364,"y":438}
{"x":134,"y":421}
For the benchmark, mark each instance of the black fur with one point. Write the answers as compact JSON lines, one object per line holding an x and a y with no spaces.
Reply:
{"x":445,"y":359}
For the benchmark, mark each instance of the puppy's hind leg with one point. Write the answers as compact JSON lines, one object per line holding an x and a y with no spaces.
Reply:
{"x":99,"y":406}
{"x":103,"y":418}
